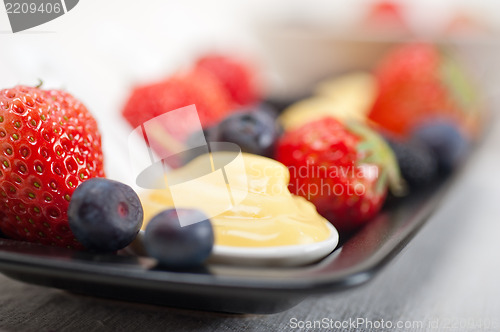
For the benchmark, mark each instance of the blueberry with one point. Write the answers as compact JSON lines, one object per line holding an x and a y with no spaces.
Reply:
{"x":445,"y":140}
{"x":105,"y":215}
{"x":417,"y":163}
{"x":176,"y":246}
{"x":255,"y":131}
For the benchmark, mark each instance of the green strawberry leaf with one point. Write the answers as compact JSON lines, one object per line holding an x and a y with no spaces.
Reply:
{"x":376,"y":151}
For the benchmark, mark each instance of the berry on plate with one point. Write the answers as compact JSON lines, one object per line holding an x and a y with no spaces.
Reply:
{"x":445,"y":140}
{"x":254,"y":131}
{"x":417,"y":162}
{"x":179,"y":246}
{"x":344,"y":169}
{"x":105,"y":215}
{"x":237,"y":77}
{"x":419,"y":81}
{"x":196,"y":87}
{"x":49,"y":144}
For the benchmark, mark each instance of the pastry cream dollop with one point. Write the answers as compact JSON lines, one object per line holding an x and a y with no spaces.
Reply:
{"x":269,"y":215}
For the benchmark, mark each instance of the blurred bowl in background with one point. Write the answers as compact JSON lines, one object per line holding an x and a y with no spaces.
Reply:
{"x":298,"y":57}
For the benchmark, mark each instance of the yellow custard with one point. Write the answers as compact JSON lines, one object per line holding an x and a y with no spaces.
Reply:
{"x":269,"y":215}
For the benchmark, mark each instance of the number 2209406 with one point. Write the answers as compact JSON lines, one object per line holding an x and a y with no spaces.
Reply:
{"x":25,"y":8}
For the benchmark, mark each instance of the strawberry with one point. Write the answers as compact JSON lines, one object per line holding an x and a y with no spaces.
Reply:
{"x":196,"y":87}
{"x":417,"y":82}
{"x":344,"y":169}
{"x":49,"y":144}
{"x":387,"y":16}
{"x":236,"y":76}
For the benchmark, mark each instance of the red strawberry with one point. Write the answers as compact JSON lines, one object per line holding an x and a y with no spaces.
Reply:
{"x":237,"y":77}
{"x":387,"y":16}
{"x":198,"y":88}
{"x":417,"y":82}
{"x":342,"y":169}
{"x":49,"y":144}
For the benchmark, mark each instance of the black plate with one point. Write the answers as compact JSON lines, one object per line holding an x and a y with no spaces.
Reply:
{"x":221,"y":288}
